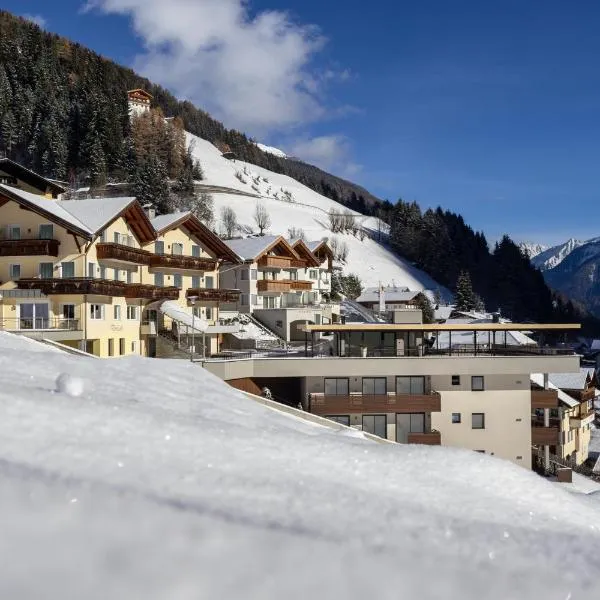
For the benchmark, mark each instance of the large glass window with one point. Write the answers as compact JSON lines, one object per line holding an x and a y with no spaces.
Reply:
{"x":46,"y":270}
{"x":375,"y":424}
{"x":341,"y":419}
{"x":209,"y":282}
{"x":417,"y":423}
{"x":14,"y":232}
{"x":374,"y":386}
{"x":336,"y":387}
{"x":159,"y":279}
{"x":407,"y":423}
{"x":68,"y":270}
{"x":410,"y":385}
{"x":178,"y":280}
{"x":46,"y":231}
{"x":159,"y":247}
{"x":15,"y":272}
{"x":196,"y":251}
{"x":477,"y":383}
{"x":195,"y":282}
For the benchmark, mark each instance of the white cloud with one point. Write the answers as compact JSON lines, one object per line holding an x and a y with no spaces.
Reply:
{"x":330,"y":152}
{"x":37,"y":19}
{"x":254,"y":71}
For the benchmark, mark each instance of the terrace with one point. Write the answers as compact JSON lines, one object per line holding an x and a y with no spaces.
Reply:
{"x":29,"y":247}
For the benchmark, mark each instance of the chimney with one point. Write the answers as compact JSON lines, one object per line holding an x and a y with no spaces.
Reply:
{"x":150,"y":210}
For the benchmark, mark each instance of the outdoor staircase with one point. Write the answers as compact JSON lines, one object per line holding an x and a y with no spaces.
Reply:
{"x":278,"y":342}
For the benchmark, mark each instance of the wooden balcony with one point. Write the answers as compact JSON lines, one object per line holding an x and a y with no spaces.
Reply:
{"x":297,"y":284}
{"x":544,"y":399}
{"x":29,"y":247}
{"x":585,"y":418}
{"x":98,"y":287}
{"x":182,"y":262}
{"x":298,"y":264}
{"x":122,"y":253}
{"x":432,"y":438}
{"x":545,"y":436}
{"x":268,"y":285}
{"x":214,"y":295}
{"x":320,"y":404}
{"x":274,"y":262}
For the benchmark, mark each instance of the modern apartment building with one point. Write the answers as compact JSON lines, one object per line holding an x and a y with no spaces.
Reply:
{"x":87,"y":272}
{"x":280,"y":284}
{"x":392,"y":380}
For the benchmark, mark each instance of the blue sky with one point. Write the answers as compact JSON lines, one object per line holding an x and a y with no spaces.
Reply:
{"x":490,"y":109}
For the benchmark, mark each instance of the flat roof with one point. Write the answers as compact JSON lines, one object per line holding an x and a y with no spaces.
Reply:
{"x":441,"y":327}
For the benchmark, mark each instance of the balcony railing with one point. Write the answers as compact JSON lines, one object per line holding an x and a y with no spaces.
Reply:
{"x":40,"y":324}
{"x":544,"y":399}
{"x":431,"y":438}
{"x":214,"y":295}
{"x":544,"y":436}
{"x":182,"y":262}
{"x":298,"y":284}
{"x":274,"y":262}
{"x":29,"y":247}
{"x":322,"y":404}
{"x":98,"y":287}
{"x":298,"y":264}
{"x":122,"y":253}
{"x":269,"y":285}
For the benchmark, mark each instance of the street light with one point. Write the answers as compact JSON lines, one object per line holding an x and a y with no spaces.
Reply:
{"x":192,"y":301}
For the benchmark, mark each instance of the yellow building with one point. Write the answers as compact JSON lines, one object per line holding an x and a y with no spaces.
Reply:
{"x":94,"y":274}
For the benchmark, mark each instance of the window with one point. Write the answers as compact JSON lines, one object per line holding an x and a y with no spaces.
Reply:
{"x":209,"y":313}
{"x":96,"y":312}
{"x":15,"y":272}
{"x":336,"y":387}
{"x":254,"y":299}
{"x":293,"y":275}
{"x":177,"y":249}
{"x":134,"y":347}
{"x":121,"y":346}
{"x":196,"y":251}
{"x":417,"y":422}
{"x":195,"y":282}
{"x":313,"y":274}
{"x":103,"y":236}
{"x":478,"y":421}
{"x":245,"y":275}
{"x":117,"y":312}
{"x":111,"y":346}
{"x":102,"y":272}
{"x":375,"y":424}
{"x":456,"y":418}
{"x":129,"y":276}
{"x":455,"y":379}
{"x":477,"y":383}
{"x":253,"y":274}
{"x":410,"y":385}
{"x":91,"y":270}
{"x":159,"y":279}
{"x":46,"y":231}
{"x":159,"y":247}
{"x":46,"y":270}
{"x":117,"y":237}
{"x":14,"y":232}
{"x":374,"y":386}
{"x":116,"y":274}
{"x":197,"y":312}
{"x":244,"y":300}
{"x":268,"y":301}
{"x":209,"y":282}
{"x":132,"y":312}
{"x":178,"y":280}
{"x":68,"y":311}
{"x":341,"y":419}
{"x":68,"y":270}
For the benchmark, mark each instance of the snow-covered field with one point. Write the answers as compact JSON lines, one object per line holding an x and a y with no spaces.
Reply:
{"x":369,"y":259}
{"x":159,"y":481}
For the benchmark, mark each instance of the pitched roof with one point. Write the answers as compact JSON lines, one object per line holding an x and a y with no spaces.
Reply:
{"x":51,"y":209}
{"x":538,"y":379}
{"x":165,"y":222}
{"x":390,"y":295}
{"x":253,"y":247}
{"x":32,"y":178}
{"x":96,"y":213}
{"x":301,"y":247}
{"x":570,"y":381}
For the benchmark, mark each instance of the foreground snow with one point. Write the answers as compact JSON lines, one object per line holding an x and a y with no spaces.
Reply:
{"x":369,"y":259}
{"x":162,"y":482}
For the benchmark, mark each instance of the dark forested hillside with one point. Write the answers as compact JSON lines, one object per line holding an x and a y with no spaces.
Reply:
{"x":63,"y":112}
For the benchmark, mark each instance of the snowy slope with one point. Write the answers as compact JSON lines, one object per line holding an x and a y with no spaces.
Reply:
{"x":372,"y":261}
{"x":271,"y":150}
{"x":166,"y":483}
{"x":552,"y":257}
{"x":532,"y":249}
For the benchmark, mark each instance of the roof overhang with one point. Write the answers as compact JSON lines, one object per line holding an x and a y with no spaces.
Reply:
{"x":304,"y":251}
{"x":27,"y":175}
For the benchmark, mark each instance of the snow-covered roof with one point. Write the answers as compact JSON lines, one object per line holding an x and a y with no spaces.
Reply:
{"x":595,"y":345}
{"x":96,"y":213}
{"x":442,"y":313}
{"x":164,"y":221}
{"x":251,"y":247}
{"x":51,"y":207}
{"x":390,"y":295}
{"x":538,"y":379}
{"x":570,"y":381}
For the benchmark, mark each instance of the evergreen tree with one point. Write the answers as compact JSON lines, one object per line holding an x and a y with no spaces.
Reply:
{"x":150,"y":184}
{"x":202,"y":207}
{"x":464,"y":297}
{"x":422,"y":302}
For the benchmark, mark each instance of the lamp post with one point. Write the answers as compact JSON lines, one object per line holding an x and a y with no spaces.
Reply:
{"x":192,"y":301}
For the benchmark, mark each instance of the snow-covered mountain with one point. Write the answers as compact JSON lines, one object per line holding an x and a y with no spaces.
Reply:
{"x":291,"y":204}
{"x":531,"y":249}
{"x":167,"y":483}
{"x":552,"y":257}
{"x":272,"y":150}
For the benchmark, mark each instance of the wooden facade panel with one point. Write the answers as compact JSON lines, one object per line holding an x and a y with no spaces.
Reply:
{"x":433,"y":438}
{"x":246,"y":385}
{"x":29,"y":247}
{"x":275,"y":262}
{"x":544,"y":399}
{"x":266,"y":285}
